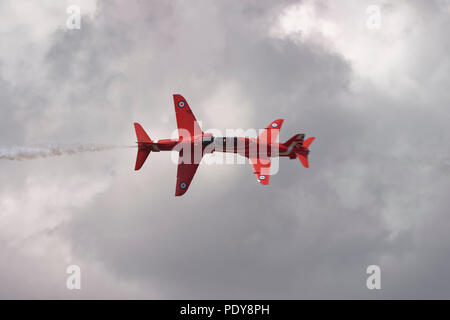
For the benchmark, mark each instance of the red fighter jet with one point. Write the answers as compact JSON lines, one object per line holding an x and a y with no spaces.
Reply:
{"x":193,"y":144}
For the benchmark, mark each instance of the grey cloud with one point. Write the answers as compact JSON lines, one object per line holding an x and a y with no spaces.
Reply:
{"x":371,"y":195}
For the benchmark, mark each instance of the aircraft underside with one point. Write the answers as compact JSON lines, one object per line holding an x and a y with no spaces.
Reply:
{"x":193,"y":144}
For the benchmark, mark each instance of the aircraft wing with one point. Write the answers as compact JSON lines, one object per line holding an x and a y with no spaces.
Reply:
{"x":186,"y":122}
{"x":185,"y":173}
{"x":270,"y":134}
{"x":261,"y":167}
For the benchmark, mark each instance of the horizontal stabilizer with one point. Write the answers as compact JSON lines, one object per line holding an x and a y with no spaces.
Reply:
{"x":141,"y":157}
{"x":143,"y":151}
{"x":141,"y":134}
{"x":308,"y":142}
{"x":303,"y":154}
{"x":303,"y":159}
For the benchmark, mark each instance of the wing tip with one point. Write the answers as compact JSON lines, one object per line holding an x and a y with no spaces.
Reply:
{"x":177,"y":96}
{"x":263,"y":179}
{"x":276,"y":124}
{"x":182,"y":187}
{"x":179,"y":193}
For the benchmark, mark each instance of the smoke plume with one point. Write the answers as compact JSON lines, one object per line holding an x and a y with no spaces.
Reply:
{"x":27,"y":153}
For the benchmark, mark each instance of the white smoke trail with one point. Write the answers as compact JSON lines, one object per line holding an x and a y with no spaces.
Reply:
{"x":27,"y":153}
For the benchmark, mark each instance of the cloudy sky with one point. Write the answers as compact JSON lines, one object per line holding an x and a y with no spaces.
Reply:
{"x":376,"y":192}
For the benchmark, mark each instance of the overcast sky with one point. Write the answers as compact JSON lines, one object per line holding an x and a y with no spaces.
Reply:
{"x":376,"y":192}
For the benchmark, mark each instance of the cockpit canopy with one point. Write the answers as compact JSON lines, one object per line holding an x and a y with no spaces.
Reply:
{"x":219,"y":142}
{"x":206,"y":140}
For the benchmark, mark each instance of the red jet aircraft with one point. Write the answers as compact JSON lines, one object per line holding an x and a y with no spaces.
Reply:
{"x":193,"y":144}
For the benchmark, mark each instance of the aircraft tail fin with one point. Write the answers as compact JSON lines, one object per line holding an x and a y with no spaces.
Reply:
{"x":143,"y":141}
{"x":308,"y":142}
{"x":141,"y":135}
{"x":141,"y":157}
{"x":294,"y":140}
{"x":302,"y":155}
{"x":303,"y":159}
